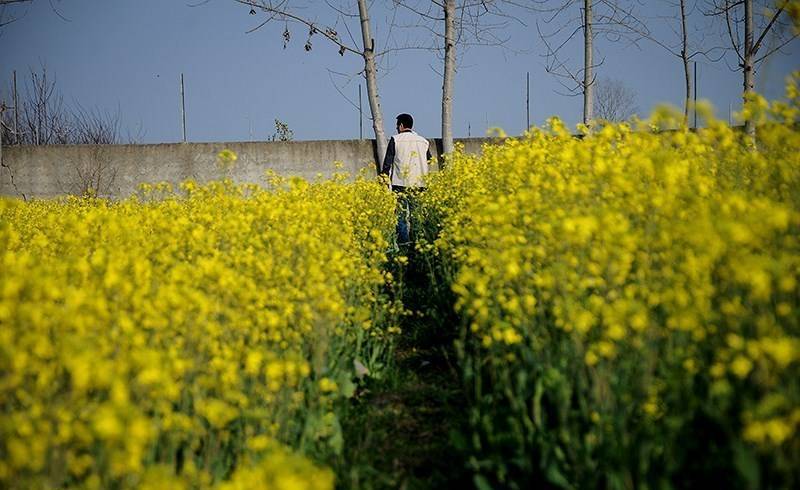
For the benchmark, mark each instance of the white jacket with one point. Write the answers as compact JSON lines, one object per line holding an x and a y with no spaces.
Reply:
{"x":406,"y":159}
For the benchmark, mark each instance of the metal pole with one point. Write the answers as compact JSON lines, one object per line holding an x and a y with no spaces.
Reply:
{"x":183,"y":109}
{"x":16,"y":111}
{"x":528,"y":98}
{"x":360,"y":116}
{"x":695,"y":95}
{"x":730,"y":115}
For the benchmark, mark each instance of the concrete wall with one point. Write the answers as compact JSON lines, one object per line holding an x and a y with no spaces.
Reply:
{"x":117,"y":170}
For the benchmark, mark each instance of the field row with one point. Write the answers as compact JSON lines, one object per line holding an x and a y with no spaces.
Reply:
{"x":190,"y":337}
{"x":630,"y":303}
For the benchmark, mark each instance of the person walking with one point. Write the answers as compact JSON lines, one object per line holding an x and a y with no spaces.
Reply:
{"x":405,"y":165}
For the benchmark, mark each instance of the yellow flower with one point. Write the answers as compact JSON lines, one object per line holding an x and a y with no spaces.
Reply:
{"x":741,"y":366}
{"x":510,"y":337}
{"x":326,"y":385}
{"x":226,"y":159}
{"x":216,"y":412}
{"x":107,"y":424}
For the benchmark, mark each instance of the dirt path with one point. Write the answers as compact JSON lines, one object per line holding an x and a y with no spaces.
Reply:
{"x":406,"y":431}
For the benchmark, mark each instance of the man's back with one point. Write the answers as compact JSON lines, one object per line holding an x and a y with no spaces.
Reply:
{"x":406,"y":160}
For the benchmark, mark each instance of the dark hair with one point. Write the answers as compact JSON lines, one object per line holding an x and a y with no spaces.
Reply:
{"x":406,"y":120}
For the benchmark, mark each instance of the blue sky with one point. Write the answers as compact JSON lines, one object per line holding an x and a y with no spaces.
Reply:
{"x":129,"y":54}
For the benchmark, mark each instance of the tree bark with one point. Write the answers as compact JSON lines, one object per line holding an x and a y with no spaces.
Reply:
{"x":370,"y":74}
{"x":747,"y":64}
{"x":588,"y":90}
{"x":449,"y":74}
{"x":685,"y":58}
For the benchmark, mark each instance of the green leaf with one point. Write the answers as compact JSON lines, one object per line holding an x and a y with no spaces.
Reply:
{"x":747,"y":463}
{"x":481,"y":483}
{"x":553,"y":474}
{"x":537,"y":403}
{"x":348,"y":388}
{"x":337,"y":439}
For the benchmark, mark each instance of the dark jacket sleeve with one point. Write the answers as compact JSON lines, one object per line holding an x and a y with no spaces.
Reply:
{"x":428,"y":155}
{"x":388,"y":160}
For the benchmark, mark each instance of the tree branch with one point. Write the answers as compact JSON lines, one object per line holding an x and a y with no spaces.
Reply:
{"x":775,"y":16}
{"x":328,"y":33}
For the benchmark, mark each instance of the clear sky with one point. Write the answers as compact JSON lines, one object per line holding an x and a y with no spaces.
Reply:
{"x":129,"y":54}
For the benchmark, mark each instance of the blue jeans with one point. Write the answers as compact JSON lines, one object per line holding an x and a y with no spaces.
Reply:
{"x":405,"y":207}
{"x":403,"y":219}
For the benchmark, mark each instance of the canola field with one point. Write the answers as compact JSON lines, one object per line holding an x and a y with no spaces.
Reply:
{"x":628,"y":300}
{"x":630,"y":303}
{"x":188,"y":338}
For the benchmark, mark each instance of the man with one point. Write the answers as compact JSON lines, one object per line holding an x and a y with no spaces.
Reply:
{"x":407,"y":156}
{"x":405,"y":164}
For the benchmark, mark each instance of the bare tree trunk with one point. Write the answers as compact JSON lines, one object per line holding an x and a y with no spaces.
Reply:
{"x":747,"y":65}
{"x":370,"y":73}
{"x":46,"y":136}
{"x":685,"y":58}
{"x":449,"y":74}
{"x":588,"y":91}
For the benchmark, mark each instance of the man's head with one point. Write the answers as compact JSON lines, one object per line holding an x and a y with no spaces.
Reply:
{"x":404,"y":121}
